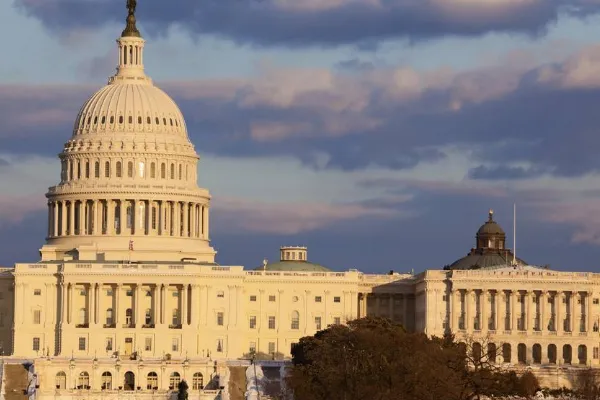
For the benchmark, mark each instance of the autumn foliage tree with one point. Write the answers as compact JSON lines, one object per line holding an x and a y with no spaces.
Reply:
{"x":376,"y":359}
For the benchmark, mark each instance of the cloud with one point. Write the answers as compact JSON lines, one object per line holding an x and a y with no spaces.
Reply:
{"x":505,"y":172}
{"x":13,"y":209}
{"x":315,"y":22}
{"x":293,"y":218}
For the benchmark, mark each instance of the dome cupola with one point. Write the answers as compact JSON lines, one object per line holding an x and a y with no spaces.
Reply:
{"x":128,"y":188}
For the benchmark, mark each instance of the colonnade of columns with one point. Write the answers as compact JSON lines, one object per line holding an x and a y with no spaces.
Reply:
{"x":386,"y":305}
{"x":127,"y":217}
{"x":125,"y":306}
{"x":532,"y":311}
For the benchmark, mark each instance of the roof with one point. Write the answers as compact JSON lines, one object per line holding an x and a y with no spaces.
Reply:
{"x":291,"y":265}
{"x":486,"y":259}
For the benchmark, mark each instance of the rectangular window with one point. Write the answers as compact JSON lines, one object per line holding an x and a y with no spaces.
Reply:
{"x":295,"y":323}
{"x":148,"y":345}
{"x":36,"y":344}
{"x":252,"y":298}
{"x":108,"y":342}
{"x":37,"y":292}
{"x":82,"y":292}
{"x":336,"y":320}
{"x":220,"y":318}
{"x":271,"y":347}
{"x":37,"y":317}
{"x":318,"y":323}
{"x":595,"y":353}
{"x":175,"y":345}
{"x":272,"y":322}
{"x":253,"y":322}
{"x":336,"y":299}
{"x":252,"y":347}
{"x":596,"y":301}
{"x":129,"y":293}
{"x":318,"y":299}
{"x":271,"y":298}
{"x":175,"y":294}
{"x":81,"y":343}
{"x":109,"y":292}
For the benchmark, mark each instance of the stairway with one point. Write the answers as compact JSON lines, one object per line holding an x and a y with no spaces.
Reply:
{"x":16,"y":380}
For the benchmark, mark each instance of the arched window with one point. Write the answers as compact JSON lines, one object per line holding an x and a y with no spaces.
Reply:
{"x":582,"y":354}
{"x":119,"y":169}
{"x":107,"y":169}
{"x":83,"y":381}
{"x":164,"y":121}
{"x":197,"y":381}
{"x":142,"y":169}
{"x":61,"y":380}
{"x":106,"y":381}
{"x":87,"y":169}
{"x":112,"y":119}
{"x":522,"y":353}
{"x":130,"y":119}
{"x":567,"y":354}
{"x":172,"y":171}
{"x":82,"y":316}
{"x":70,"y":170}
{"x":180,"y":174}
{"x":148,"y":121}
{"x":536,"y":353}
{"x":96,"y":120}
{"x":78,"y":169}
{"x":157,"y":121}
{"x":103,"y":120}
{"x":120,"y":119}
{"x":130,"y":169}
{"x":152,"y":170}
{"x":97,"y":169}
{"x":109,"y":316}
{"x":163,"y":171}
{"x":129,"y":316}
{"x":174,"y":380}
{"x":295,"y":320}
{"x":129,"y":381}
{"x":139,"y":120}
{"x":506,"y":352}
{"x":171,"y":119}
{"x":154,"y":213}
{"x":152,"y":381}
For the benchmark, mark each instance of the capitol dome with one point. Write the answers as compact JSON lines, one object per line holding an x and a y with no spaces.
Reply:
{"x":128,"y":186}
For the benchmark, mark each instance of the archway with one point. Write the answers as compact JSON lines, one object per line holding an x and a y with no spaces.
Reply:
{"x":174,"y":380}
{"x":152,"y":383}
{"x":129,"y":383}
{"x":477,"y":355}
{"x":537,"y":353}
{"x":522,"y":353}
{"x":506,"y":352}
{"x":83,"y":381}
{"x":491,"y":352}
{"x":106,"y":381}
{"x":582,"y":354}
{"x":552,"y":353}
{"x":567,"y":354}
{"x":198,"y":381}
{"x":61,"y":380}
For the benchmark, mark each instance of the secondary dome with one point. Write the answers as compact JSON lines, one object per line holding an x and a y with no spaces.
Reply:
{"x":292,"y":259}
{"x":490,"y":227}
{"x":123,"y":107}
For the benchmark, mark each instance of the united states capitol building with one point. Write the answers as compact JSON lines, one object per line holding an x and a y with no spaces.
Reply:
{"x":127,"y":299}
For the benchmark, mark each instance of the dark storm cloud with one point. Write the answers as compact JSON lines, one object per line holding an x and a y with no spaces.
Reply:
{"x":504,"y":172}
{"x":312,"y":22}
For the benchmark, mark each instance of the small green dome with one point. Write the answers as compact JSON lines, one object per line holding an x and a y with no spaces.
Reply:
{"x":299,"y":266}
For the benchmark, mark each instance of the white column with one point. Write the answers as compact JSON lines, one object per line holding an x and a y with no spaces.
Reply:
{"x":116,"y":311}
{"x":184,"y":305}
{"x":529,"y":317}
{"x":110,"y":217}
{"x":97,"y":217}
{"x":559,"y":316}
{"x":543,"y":319}
{"x":194,"y":305}
{"x":72,"y":217}
{"x":497,"y":311}
{"x":138,"y":321}
{"x":71,"y":292}
{"x":484,"y":305}
{"x":123,"y":217}
{"x":515,"y":310}
{"x":468,"y":311}
{"x":588,"y":317}
{"x":82,"y":217}
{"x":63,"y":302}
{"x":91,"y":304}
{"x":55,"y":219}
{"x":63,"y":217}
{"x":160,"y":217}
{"x":163,"y":306}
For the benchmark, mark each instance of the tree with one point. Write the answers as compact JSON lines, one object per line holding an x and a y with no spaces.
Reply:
{"x":587,"y":385}
{"x":182,"y":389}
{"x":376,"y":359}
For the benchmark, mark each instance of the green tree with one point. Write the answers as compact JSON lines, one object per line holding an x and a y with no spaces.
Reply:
{"x":375,"y":359}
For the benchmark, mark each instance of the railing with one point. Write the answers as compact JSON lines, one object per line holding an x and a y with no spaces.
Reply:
{"x":109,"y":325}
{"x":148,"y":326}
{"x":128,"y":326}
{"x":175,"y":326}
{"x":82,"y":326}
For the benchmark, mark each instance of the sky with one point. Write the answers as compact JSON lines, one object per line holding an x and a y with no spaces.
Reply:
{"x":376,"y":132}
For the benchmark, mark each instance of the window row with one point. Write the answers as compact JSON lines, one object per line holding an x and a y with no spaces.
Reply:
{"x":76,"y":169}
{"x":102,"y":120}
{"x":129,"y":381}
{"x":272,"y":298}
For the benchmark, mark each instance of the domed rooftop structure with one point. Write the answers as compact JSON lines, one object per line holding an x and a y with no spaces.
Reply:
{"x":292,"y":258}
{"x":128,"y":187}
{"x":490,"y":251}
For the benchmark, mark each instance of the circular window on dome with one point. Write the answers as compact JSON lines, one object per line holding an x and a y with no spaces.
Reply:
{"x":120,"y":119}
{"x":103,"y":119}
{"x":130,"y":119}
{"x":148,"y":120}
{"x":157,"y":121}
{"x":95,"y":120}
{"x":165,"y":121}
{"x":171,"y":119}
{"x":176,"y":124}
{"x":112,"y":119}
{"x":295,"y":299}
{"x":139,"y":120}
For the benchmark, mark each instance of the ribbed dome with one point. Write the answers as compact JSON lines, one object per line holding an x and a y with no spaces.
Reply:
{"x":130,"y":107}
{"x":490,"y":228}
